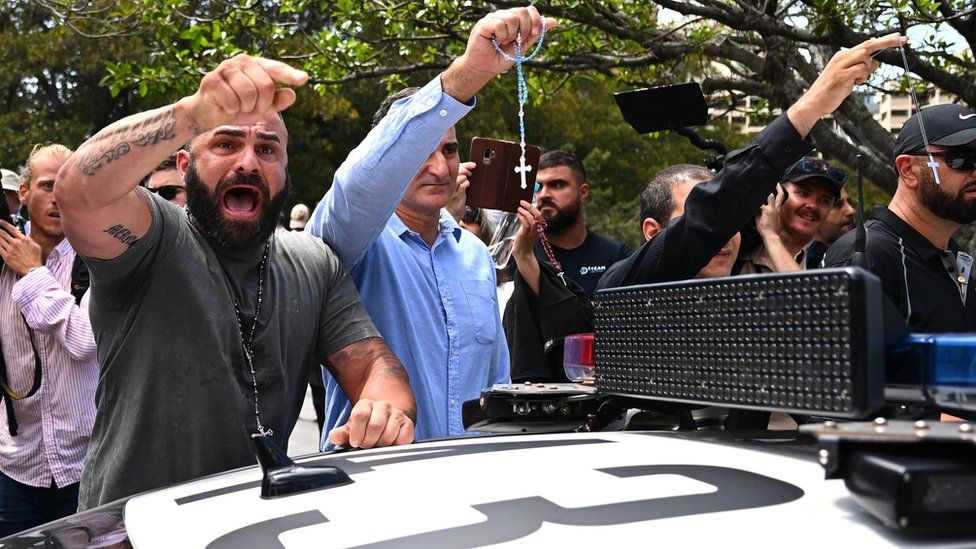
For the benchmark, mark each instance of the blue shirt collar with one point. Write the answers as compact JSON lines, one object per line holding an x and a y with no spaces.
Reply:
{"x":448,"y":225}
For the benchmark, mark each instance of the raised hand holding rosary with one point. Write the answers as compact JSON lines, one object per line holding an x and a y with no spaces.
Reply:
{"x":523,"y":95}
{"x":523,"y":89}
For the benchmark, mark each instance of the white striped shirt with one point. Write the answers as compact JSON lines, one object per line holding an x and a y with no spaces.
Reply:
{"x":56,"y":422}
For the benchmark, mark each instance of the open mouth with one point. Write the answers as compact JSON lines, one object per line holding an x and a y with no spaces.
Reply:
{"x":242,"y":201}
{"x":809,"y":217}
{"x":55,"y":215}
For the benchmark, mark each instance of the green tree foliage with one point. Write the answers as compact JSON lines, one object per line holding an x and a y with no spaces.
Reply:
{"x":772,"y":49}
{"x":50,"y":84}
{"x":109,"y":58}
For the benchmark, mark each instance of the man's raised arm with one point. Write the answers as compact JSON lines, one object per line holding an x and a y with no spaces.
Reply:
{"x":716,"y":210}
{"x":374,"y":177}
{"x":101,"y":212}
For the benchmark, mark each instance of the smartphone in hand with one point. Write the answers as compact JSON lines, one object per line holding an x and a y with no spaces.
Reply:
{"x":496,"y":181}
{"x":4,"y":209}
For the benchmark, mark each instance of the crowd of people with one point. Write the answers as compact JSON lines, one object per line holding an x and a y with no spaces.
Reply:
{"x":162,"y":239}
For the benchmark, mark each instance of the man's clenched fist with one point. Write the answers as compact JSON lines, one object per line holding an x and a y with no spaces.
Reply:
{"x":242,"y":91}
{"x":373,"y":423}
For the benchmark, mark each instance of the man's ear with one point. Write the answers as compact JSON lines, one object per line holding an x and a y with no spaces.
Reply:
{"x":182,"y":162}
{"x":907,"y":172}
{"x":584,"y":191}
{"x":23,"y":191}
{"x":650,"y":227}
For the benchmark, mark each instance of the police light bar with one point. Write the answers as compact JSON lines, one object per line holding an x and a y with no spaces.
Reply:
{"x":809,"y":342}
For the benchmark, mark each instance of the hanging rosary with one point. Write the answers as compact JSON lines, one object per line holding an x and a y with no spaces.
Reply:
{"x":540,"y":228}
{"x":523,"y":89}
{"x":523,"y":95}
{"x":921,"y":125}
{"x":246,"y":343}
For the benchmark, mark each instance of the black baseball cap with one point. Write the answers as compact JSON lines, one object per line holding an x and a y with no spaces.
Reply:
{"x":814,"y":168}
{"x":946,"y":125}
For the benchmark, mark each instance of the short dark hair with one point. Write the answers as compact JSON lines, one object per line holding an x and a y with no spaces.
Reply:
{"x":657,"y":198}
{"x":389,"y":101}
{"x":165,"y":165}
{"x":556,"y":158}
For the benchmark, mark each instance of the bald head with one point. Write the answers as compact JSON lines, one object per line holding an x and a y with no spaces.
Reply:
{"x":271,"y":128}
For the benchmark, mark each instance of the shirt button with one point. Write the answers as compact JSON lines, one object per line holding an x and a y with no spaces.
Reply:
{"x":443,"y":113}
{"x":431,"y":102}
{"x":453,"y":402}
{"x":788,"y":149}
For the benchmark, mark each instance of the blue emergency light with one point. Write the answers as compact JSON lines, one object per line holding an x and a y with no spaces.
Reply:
{"x":947,"y":367}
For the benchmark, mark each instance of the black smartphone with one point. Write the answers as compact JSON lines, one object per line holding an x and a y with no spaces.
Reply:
{"x":497,"y":179}
{"x":750,"y":234}
{"x":5,"y":213}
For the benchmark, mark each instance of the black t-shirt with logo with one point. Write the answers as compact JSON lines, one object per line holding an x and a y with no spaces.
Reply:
{"x":586,"y":263}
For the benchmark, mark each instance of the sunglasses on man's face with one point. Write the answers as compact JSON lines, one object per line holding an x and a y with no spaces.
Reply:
{"x":168,"y":192}
{"x":960,"y":159}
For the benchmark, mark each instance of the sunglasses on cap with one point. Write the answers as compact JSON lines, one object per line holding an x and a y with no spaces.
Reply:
{"x":815,"y":166}
{"x":961,"y":159}
{"x":168,"y":192}
{"x":471,"y":215}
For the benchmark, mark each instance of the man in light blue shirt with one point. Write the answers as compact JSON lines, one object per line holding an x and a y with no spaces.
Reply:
{"x":428,"y":284}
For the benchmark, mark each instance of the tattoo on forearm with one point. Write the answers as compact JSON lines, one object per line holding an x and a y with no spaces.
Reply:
{"x":122,"y":234}
{"x":377,"y":359}
{"x":371,"y":353}
{"x":113,"y":145}
{"x":388,"y":364}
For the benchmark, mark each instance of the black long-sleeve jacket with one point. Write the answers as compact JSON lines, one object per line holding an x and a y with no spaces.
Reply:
{"x":714,"y":211}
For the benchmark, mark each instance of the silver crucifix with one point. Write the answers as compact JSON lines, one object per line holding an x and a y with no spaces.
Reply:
{"x":935,"y":169}
{"x":522,"y":169}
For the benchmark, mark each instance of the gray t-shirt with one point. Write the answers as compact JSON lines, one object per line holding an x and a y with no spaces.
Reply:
{"x":175,"y":398}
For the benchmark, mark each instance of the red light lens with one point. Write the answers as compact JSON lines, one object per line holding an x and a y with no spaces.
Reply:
{"x":578,"y":357}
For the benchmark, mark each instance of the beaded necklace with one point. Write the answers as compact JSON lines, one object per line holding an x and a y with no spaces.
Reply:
{"x":540,"y":228}
{"x":246,"y":344}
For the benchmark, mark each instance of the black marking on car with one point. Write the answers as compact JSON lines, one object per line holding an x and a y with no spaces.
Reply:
{"x":399,"y":455}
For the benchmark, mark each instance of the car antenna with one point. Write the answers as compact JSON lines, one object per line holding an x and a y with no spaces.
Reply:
{"x":284,"y":477}
{"x":859,"y":257}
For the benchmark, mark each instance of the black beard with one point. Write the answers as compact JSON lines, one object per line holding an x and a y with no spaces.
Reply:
{"x":230,"y":234}
{"x":562,"y":219}
{"x":943,"y":205}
